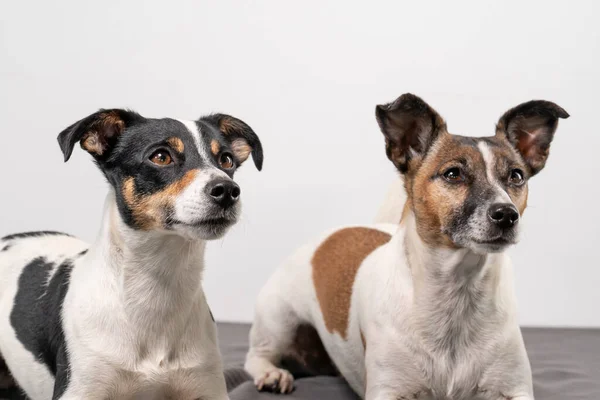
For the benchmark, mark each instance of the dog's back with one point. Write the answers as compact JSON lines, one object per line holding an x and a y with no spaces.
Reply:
{"x":34,"y":277}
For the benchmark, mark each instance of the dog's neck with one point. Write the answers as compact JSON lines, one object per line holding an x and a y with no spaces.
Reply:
{"x":456,"y":291}
{"x":157,"y":274}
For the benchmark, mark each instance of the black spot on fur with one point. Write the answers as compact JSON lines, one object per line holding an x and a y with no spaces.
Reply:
{"x":33,"y":234}
{"x":83,"y":253}
{"x":36,"y":316}
{"x":6,"y":248}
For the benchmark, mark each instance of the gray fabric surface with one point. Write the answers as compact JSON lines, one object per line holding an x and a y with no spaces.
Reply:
{"x":565,"y":362}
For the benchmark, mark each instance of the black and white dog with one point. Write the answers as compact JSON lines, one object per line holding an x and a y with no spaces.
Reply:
{"x":126,"y":318}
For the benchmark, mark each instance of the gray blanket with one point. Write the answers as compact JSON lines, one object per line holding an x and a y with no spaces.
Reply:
{"x":565,"y":362}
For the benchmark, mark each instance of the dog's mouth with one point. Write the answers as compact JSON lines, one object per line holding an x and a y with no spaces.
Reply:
{"x":214,"y":222}
{"x":499,"y":241}
{"x":495,"y":244}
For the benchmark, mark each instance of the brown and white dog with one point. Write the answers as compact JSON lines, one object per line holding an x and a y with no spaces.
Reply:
{"x":425,"y":309}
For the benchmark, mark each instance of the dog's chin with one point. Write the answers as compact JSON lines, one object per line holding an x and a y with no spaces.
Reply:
{"x":490,"y":245}
{"x":485,"y":245}
{"x":205,"y":229}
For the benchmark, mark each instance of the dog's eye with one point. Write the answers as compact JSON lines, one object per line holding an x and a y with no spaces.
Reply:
{"x":161,"y":157}
{"x":517,"y":177}
{"x":226,"y":161}
{"x":453,"y":175}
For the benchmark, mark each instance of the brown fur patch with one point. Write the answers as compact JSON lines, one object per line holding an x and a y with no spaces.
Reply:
{"x":432,"y":202}
{"x":241,"y":149}
{"x":176,"y":144}
{"x":96,"y":139}
{"x":230,"y":125}
{"x":149,"y":211}
{"x":215,"y":147}
{"x":91,"y":143}
{"x":335,"y":264}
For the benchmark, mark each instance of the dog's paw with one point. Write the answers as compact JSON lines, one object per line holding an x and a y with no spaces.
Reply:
{"x":276,"y":380}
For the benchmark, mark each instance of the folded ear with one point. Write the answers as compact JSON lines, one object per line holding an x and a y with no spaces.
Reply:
{"x":241,"y":137}
{"x":410,"y":126}
{"x":530,"y":128}
{"x":97,"y":133}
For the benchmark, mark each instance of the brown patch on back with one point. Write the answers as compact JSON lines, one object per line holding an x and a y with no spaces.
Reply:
{"x":104,"y":129}
{"x":215,"y":147}
{"x":335,"y":264}
{"x":307,"y":355}
{"x":176,"y":144}
{"x":241,"y":149}
{"x":149,"y":210}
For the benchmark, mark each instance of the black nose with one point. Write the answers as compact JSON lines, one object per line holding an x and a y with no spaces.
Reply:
{"x":223,"y":192}
{"x":503,"y":215}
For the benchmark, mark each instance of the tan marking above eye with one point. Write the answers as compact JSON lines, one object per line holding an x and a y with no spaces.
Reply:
{"x":161,"y":157}
{"x":215,"y":147}
{"x":149,"y":210}
{"x":176,"y":144}
{"x":334,"y":268}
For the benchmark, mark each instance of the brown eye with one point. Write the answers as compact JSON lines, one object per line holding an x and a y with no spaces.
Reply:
{"x":517,"y":177}
{"x":453,"y":175}
{"x":226,"y":161}
{"x":161,"y":157}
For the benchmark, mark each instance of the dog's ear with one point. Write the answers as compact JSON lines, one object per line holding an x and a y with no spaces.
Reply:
{"x":410,"y":126}
{"x":241,"y":137}
{"x":97,"y":133}
{"x":530,"y":128}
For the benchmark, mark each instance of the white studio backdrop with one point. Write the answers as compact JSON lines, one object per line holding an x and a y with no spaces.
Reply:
{"x":307,"y":76}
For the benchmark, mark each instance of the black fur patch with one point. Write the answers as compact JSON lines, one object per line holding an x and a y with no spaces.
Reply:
{"x":83,"y":253}
{"x":6,"y":248}
{"x":33,"y":234}
{"x":36,"y":316}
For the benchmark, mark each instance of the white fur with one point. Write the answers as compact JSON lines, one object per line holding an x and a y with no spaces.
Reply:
{"x":404,"y":303}
{"x":391,"y":210}
{"x":488,"y":157}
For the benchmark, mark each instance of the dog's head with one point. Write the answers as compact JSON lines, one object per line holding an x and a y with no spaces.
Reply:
{"x":467,"y":192}
{"x":169,"y":175}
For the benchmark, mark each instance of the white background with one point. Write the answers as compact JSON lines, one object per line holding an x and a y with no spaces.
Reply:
{"x":307,"y":76}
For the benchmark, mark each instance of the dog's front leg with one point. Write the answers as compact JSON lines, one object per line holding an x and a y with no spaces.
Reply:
{"x":390,"y":373}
